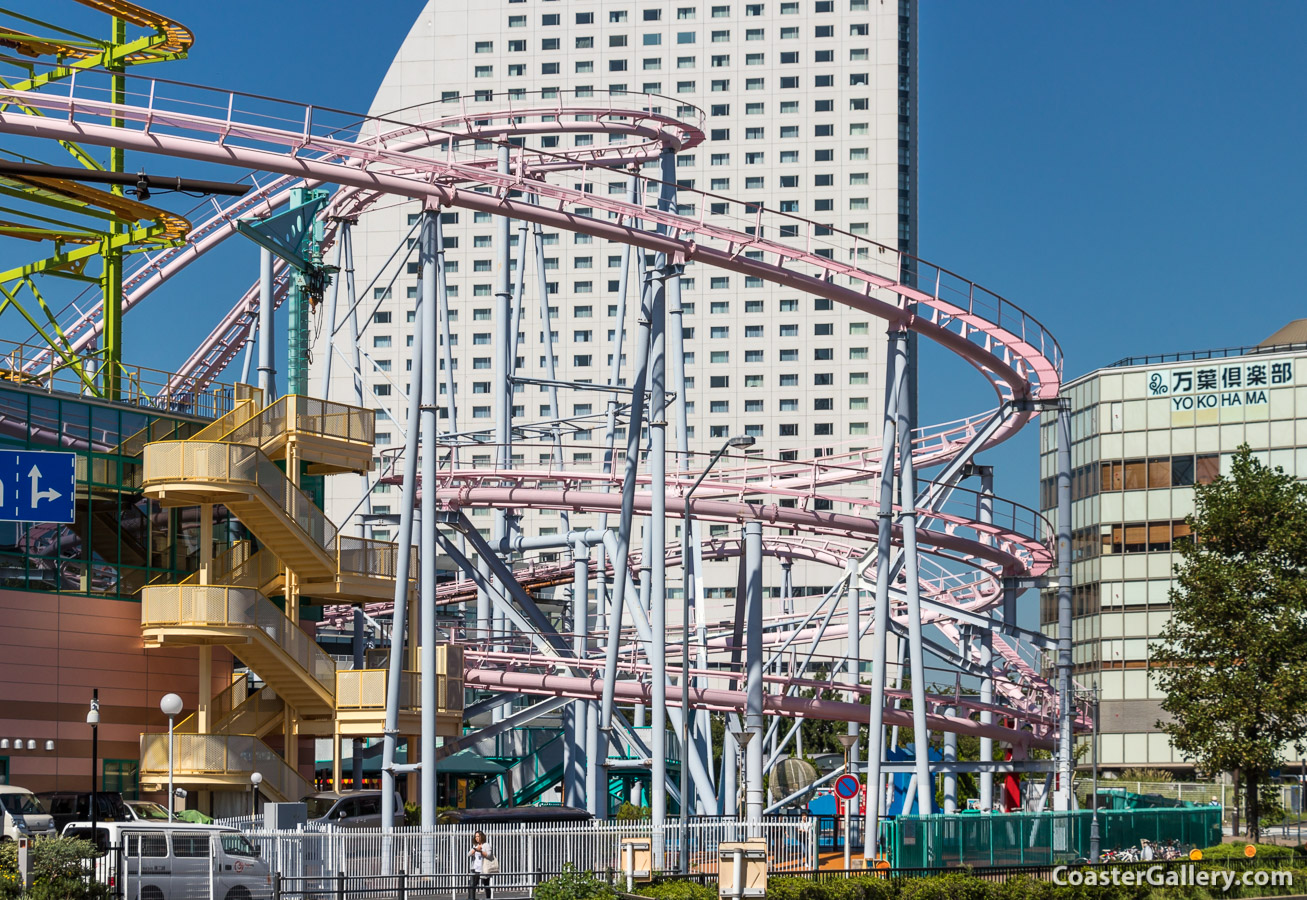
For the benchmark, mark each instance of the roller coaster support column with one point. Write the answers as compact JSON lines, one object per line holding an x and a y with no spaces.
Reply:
{"x":267,"y":368}
{"x":895,"y":375}
{"x":621,"y":554}
{"x":950,"y":756}
{"x":574,"y":759}
{"x":657,"y":529}
{"x":430,"y":427}
{"x":911,"y":573}
{"x":399,"y":623}
{"x":1062,"y":799}
{"x":985,"y":514}
{"x":503,"y":372}
{"x":854,"y":655}
{"x":546,"y":330}
{"x":753,"y":798}
{"x":111,"y":281}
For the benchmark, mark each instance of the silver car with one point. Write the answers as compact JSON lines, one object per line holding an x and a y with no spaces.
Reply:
{"x":352,"y":809}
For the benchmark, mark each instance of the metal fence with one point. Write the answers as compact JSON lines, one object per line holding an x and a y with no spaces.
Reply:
{"x":527,"y":853}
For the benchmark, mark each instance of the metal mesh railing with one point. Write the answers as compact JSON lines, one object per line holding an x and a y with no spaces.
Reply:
{"x":220,"y":606}
{"x":366,"y":689}
{"x":304,"y":414}
{"x":200,"y":755}
{"x":378,"y":559}
{"x":211,"y":461}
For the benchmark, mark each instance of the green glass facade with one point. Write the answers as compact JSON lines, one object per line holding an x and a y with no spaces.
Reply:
{"x":120,"y":540}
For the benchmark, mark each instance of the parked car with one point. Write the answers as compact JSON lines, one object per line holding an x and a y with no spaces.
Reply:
{"x":352,"y":809}
{"x":148,"y":811}
{"x":23,"y":814}
{"x":72,"y":806}
{"x":166,"y":860}
{"x":513,"y":815}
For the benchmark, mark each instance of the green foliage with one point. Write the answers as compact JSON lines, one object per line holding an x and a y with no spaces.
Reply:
{"x":59,"y":871}
{"x":574,"y":885}
{"x":1235,"y":850}
{"x":629,"y":812}
{"x":678,"y":890}
{"x":412,"y":814}
{"x":1233,"y":657}
{"x":1150,"y":776}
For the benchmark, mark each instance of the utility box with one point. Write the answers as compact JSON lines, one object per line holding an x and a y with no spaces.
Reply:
{"x":285,"y":816}
{"x":742,"y":869}
{"x":637,"y":859}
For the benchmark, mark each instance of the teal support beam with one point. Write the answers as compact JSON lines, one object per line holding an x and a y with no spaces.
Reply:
{"x":296,"y":235}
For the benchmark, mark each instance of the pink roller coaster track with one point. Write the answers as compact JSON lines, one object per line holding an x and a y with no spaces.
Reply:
{"x":371,"y":158}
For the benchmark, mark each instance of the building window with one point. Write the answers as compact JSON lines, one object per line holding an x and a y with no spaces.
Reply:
{"x":121,"y":775}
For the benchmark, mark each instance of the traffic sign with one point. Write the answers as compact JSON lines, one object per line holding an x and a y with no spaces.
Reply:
{"x":847,"y":787}
{"x":37,"y":486}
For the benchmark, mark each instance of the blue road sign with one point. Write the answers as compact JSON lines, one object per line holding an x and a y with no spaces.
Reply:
{"x":847,"y":786}
{"x":37,"y":486}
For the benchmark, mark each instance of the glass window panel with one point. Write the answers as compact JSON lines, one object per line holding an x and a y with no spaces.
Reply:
{"x":1159,"y":472}
{"x":1182,"y":471}
{"x":1206,"y":468}
{"x":1136,"y":474}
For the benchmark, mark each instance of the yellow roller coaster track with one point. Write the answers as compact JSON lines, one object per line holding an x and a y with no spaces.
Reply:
{"x":114,"y":228}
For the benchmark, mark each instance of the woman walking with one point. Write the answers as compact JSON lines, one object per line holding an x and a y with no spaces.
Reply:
{"x":484,"y":865}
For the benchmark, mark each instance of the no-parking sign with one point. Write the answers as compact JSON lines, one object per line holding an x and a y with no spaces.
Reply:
{"x":847,"y":787}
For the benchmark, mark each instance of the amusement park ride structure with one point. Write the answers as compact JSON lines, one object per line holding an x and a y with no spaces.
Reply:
{"x":909,"y":553}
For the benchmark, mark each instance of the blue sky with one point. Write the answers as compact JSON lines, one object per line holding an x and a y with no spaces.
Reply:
{"x":1131,"y":174}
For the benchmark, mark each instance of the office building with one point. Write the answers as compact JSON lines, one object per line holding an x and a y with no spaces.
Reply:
{"x":1144,"y":432}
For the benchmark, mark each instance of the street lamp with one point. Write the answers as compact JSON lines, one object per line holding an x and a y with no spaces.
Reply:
{"x":256,"y":779}
{"x":741,"y":440}
{"x":93,"y":719}
{"x":847,"y":741}
{"x":1094,"y":843}
{"x":171,"y":705}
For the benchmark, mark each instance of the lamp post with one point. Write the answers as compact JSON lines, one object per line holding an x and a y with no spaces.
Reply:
{"x":93,"y":719}
{"x":741,"y":440}
{"x":170,"y":705}
{"x":847,"y":741}
{"x":1094,"y":842}
{"x":256,"y":779}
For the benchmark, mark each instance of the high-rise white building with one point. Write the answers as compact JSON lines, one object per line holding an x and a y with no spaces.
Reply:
{"x":810,"y":108}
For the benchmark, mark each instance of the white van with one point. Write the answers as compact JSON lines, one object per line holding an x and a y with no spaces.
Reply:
{"x":176,"y":860}
{"x":22,"y":814}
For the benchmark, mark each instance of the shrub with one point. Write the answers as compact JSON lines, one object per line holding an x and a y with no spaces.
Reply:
{"x":629,"y":812}
{"x":574,"y":885}
{"x":678,"y":890}
{"x":1235,"y":850}
{"x":58,"y":871}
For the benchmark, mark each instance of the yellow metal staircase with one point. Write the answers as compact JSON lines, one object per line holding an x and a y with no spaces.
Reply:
{"x":233,"y":462}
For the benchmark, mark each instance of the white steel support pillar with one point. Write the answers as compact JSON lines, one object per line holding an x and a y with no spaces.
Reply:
{"x":429,"y":428}
{"x":1062,"y":798}
{"x":912,"y":588}
{"x":267,"y":329}
{"x":400,"y":621}
{"x":895,"y":373}
{"x":854,"y":656}
{"x":574,"y":714}
{"x":753,"y":796}
{"x":503,"y":338}
{"x":985,"y":513}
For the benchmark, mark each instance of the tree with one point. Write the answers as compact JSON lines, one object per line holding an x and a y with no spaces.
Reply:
{"x":1233,"y":658}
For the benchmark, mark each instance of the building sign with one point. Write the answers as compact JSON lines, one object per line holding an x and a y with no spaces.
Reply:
{"x":1219,"y":387}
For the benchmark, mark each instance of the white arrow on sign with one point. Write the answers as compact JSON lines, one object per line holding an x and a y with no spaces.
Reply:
{"x":38,"y":496}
